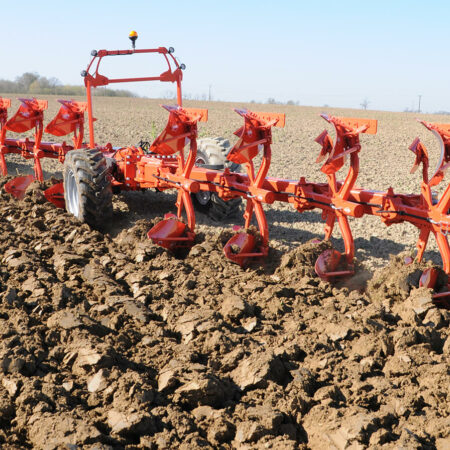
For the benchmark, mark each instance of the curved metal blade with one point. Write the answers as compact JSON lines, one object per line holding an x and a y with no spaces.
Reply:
{"x":429,"y":278}
{"x":241,"y":247}
{"x":55,"y":195}
{"x":327,"y":262}
{"x":18,"y":186}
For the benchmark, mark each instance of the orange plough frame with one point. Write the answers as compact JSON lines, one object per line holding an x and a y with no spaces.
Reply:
{"x":169,"y":163}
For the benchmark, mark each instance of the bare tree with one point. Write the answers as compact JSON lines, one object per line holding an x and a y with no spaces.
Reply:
{"x":365,"y":103}
{"x":26,"y":79}
{"x":170,"y":95}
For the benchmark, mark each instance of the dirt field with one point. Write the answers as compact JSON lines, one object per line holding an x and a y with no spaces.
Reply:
{"x":108,"y":341}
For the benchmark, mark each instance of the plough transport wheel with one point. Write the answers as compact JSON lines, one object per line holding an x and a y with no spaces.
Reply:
{"x":87,"y":189}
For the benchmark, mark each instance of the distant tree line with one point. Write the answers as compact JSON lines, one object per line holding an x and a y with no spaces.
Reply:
{"x":33,"y":83}
{"x":272,"y":101}
{"x":171,"y":95}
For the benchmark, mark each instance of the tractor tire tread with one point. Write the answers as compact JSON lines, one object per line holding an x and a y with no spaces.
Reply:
{"x":88,"y":166}
{"x":214,"y":151}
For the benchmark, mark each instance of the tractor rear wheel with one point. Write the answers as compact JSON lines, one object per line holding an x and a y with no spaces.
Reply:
{"x":87,"y":188}
{"x":212,"y":154}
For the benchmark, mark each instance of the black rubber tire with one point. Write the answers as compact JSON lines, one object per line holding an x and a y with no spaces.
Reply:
{"x":216,"y":150}
{"x":87,"y":187}
{"x":212,"y":152}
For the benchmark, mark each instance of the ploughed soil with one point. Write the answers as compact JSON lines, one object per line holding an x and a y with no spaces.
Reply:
{"x":108,"y":341}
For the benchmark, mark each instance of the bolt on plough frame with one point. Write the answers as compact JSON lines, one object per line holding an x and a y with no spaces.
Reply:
{"x":166,"y":166}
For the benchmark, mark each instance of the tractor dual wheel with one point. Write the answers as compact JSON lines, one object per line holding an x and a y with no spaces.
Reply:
{"x":87,"y":188}
{"x":212,"y":154}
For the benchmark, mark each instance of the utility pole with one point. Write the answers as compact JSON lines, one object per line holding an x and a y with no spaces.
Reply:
{"x":209,"y":93}
{"x":420,"y":96}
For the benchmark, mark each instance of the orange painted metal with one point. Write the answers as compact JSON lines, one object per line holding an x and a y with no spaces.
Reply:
{"x":180,"y":127}
{"x":271,"y":119}
{"x":200,"y":114}
{"x":256,"y":134}
{"x":167,"y":172}
{"x":367,"y":126}
{"x":30,"y":115}
{"x":240,"y":248}
{"x":442,"y":132}
{"x":18,"y":186}
{"x":5,"y":103}
{"x":428,"y":278}
{"x":170,"y":164}
{"x":327,"y":262}
{"x":171,"y":233}
{"x":93,"y":79}
{"x":347,"y":143}
{"x":30,"y":111}
{"x":427,"y":213}
{"x":421,"y":153}
{"x":69,"y":119}
{"x":55,"y":195}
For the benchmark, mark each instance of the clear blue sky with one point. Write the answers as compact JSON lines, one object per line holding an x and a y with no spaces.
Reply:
{"x":316,"y":52}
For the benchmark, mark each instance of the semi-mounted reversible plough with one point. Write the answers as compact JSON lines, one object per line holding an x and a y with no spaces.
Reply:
{"x":93,"y":172}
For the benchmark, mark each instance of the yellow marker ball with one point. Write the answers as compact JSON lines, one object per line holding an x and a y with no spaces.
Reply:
{"x":133,"y":34}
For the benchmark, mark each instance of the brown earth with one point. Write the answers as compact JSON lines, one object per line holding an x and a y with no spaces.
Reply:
{"x":108,"y":341}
